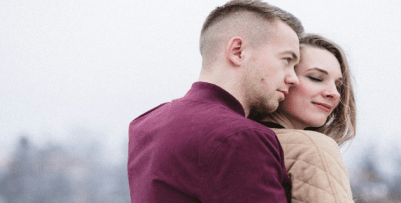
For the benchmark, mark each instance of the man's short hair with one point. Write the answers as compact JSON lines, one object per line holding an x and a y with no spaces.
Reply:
{"x":259,"y":9}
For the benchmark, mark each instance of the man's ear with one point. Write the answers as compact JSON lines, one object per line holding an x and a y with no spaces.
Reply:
{"x":234,"y":51}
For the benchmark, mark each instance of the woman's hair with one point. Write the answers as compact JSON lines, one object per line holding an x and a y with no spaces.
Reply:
{"x":341,"y":123}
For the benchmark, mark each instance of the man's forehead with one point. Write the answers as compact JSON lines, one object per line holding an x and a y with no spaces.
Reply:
{"x":284,"y":34}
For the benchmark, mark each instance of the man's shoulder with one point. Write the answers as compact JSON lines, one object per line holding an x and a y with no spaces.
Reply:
{"x":243,"y":124}
{"x":149,"y":111}
{"x":242,"y":130}
{"x":213,"y":119}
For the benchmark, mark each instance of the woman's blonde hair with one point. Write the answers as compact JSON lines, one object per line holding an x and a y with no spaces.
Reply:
{"x":341,"y":123}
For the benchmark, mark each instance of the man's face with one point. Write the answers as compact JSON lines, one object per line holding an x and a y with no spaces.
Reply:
{"x":270,"y":70}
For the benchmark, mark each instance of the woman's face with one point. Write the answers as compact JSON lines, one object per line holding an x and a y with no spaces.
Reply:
{"x":314,"y":99}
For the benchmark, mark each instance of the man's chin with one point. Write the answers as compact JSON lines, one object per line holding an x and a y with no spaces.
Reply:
{"x":271,"y":107}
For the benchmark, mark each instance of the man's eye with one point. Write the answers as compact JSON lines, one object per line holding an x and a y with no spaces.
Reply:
{"x":315,"y":79}
{"x":288,"y":60}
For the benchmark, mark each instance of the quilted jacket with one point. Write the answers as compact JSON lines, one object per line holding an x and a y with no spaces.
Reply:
{"x":316,"y":167}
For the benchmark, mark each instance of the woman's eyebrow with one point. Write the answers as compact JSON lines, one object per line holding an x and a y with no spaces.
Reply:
{"x":320,"y":70}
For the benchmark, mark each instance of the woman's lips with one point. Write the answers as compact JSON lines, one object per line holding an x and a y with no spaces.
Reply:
{"x":322,"y":106}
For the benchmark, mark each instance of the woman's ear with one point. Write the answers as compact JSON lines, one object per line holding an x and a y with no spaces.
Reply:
{"x":234,"y":51}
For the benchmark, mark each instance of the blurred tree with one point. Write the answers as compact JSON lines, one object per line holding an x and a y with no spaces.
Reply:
{"x":12,"y":186}
{"x":63,"y":173}
{"x":370,"y":185}
{"x":33,"y":176}
{"x":395,"y":188}
{"x":51,"y":178}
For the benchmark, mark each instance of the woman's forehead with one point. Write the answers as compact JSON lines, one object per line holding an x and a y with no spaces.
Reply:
{"x":320,"y":60}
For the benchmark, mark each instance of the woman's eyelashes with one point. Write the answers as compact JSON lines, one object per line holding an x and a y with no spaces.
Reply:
{"x":315,"y":79}
{"x":338,"y":85}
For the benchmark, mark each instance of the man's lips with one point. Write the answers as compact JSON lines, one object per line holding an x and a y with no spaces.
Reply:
{"x":285,"y":92}
{"x":323,"y":106}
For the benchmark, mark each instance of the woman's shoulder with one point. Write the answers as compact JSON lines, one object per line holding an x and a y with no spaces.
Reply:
{"x":296,"y":142}
{"x":304,"y":136}
{"x":316,"y":147}
{"x":316,"y":165}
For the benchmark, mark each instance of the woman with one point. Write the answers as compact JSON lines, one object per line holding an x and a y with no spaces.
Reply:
{"x":315,"y":118}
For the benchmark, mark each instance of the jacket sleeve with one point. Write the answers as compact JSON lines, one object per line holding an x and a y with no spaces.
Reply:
{"x":245,"y":167}
{"x":316,"y":166}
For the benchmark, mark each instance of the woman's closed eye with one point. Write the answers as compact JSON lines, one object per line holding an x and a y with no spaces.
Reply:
{"x":315,"y":79}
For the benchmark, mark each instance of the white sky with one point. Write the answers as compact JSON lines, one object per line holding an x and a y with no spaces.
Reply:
{"x":97,"y":64}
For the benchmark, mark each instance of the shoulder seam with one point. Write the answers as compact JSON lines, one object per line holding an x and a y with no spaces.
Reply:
{"x":147,"y":112}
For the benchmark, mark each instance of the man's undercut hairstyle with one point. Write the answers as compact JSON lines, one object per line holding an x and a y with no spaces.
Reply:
{"x":341,"y":123}
{"x":253,"y":12}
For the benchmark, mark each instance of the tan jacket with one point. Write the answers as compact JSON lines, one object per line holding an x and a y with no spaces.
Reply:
{"x":316,"y":166}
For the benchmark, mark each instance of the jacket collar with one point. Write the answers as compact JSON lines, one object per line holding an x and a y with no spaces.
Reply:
{"x":214,"y":93}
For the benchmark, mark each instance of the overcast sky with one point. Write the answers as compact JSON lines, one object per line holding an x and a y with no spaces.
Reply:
{"x":95,"y":65}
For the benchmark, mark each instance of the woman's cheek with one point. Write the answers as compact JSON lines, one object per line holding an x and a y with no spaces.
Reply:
{"x":337,"y":103}
{"x":304,"y":88}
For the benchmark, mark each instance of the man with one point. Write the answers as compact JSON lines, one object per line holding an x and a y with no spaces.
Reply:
{"x":202,"y":148}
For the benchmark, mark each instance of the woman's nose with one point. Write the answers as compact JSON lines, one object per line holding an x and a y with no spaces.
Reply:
{"x":332,"y":93}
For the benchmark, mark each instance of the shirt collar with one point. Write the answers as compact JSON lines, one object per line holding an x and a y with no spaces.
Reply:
{"x":271,"y":124}
{"x":214,"y":93}
{"x":276,"y":125}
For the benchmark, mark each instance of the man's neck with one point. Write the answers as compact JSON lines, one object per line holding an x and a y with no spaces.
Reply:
{"x":233,"y":88}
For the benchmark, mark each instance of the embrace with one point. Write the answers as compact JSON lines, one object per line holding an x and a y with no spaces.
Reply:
{"x":263,"y":124}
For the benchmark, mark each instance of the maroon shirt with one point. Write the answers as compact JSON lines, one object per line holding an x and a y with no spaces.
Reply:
{"x":201,"y":148}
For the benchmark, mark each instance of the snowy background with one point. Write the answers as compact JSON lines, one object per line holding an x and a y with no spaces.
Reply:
{"x":77,"y":72}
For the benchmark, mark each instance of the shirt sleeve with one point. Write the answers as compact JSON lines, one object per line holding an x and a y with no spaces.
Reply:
{"x":244,"y":167}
